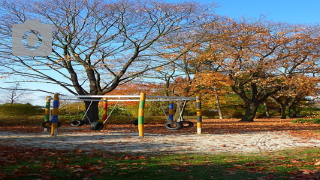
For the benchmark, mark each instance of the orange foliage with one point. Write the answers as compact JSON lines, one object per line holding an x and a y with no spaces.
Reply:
{"x":133,"y":89}
{"x":209,"y":80}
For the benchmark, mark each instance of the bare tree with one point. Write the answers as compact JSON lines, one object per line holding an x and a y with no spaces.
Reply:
{"x":98,"y":45}
{"x":12,"y":94}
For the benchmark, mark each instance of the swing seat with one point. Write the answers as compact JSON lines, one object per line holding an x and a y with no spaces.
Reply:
{"x":186,"y":124}
{"x":97,"y":126}
{"x":77,"y":123}
{"x":172,"y":125}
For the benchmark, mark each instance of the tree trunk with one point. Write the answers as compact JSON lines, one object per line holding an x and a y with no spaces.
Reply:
{"x":179,"y":110}
{"x":92,"y":110}
{"x":218,"y":102}
{"x":294,"y":112}
{"x":250,"y":112}
{"x":283,"y":111}
{"x":267,"y":110}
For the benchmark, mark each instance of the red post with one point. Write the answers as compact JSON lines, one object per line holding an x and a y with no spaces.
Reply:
{"x":105,"y":112}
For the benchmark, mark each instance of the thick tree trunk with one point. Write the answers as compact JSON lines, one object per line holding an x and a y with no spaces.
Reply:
{"x":250,"y":112}
{"x":92,"y":111}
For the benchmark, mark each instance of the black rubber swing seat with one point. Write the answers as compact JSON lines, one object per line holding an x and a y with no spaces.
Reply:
{"x":96,"y":126}
{"x":186,"y":124}
{"x":172,"y":125}
{"x":47,"y":124}
{"x":76,"y":123}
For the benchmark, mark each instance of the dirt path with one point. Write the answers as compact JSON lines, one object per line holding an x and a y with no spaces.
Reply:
{"x":124,"y":141}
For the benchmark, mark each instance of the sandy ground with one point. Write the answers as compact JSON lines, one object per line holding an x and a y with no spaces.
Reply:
{"x":120,"y":141}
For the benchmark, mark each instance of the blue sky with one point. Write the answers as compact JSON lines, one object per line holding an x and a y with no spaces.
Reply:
{"x":290,"y":11}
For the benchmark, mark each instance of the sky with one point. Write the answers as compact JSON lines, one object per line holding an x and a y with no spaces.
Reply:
{"x":290,"y":11}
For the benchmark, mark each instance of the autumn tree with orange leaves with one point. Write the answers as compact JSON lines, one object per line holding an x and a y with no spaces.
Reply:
{"x":295,"y":90}
{"x":261,"y":57}
{"x":212,"y":86}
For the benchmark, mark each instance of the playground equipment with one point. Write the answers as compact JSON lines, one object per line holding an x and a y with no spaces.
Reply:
{"x":52,"y":124}
{"x":142,"y":98}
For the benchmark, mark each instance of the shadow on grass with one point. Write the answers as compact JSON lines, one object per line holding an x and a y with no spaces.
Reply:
{"x":45,"y":164}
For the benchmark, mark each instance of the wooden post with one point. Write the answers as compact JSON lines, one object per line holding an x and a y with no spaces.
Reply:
{"x":141,"y":114}
{"x":55,"y":113}
{"x":199,"y":115}
{"x":105,"y":112}
{"x":170,"y":111}
{"x":47,"y":111}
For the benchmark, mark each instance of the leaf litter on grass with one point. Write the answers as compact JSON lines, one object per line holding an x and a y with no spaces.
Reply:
{"x":22,"y":159}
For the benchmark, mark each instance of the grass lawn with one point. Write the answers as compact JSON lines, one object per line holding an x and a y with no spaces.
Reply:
{"x":34,"y":163}
{"x":18,"y":162}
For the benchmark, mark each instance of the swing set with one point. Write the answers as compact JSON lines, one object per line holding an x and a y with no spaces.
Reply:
{"x":51,"y":114}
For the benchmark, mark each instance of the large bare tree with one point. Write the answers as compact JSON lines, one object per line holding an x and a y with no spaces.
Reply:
{"x":98,"y":45}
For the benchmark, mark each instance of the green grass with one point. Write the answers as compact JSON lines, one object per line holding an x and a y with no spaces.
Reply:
{"x":315,"y":121}
{"x":21,"y":120}
{"x":106,"y":165}
{"x":27,"y":120}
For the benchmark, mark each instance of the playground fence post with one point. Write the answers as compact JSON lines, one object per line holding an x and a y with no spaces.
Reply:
{"x":170,"y":111}
{"x":55,"y":113}
{"x":199,"y":115}
{"x":105,"y":112}
{"x":141,"y":114}
{"x":47,"y":111}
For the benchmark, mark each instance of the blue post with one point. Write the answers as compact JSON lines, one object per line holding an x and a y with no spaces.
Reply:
{"x":170,"y":111}
{"x":55,"y":113}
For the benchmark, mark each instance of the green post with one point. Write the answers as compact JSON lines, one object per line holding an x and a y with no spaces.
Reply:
{"x":141,"y":114}
{"x":47,"y":111}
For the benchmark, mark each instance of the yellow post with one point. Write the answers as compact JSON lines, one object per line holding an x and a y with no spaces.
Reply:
{"x":199,"y":115}
{"x":55,"y":113}
{"x":141,"y":114}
